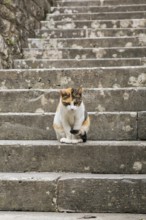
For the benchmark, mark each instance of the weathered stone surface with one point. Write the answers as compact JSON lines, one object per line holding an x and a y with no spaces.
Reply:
{"x":106,"y":126}
{"x":90,"y":33}
{"x":99,"y":193}
{"x":81,"y":43}
{"x":114,"y":77}
{"x":97,"y":3}
{"x":67,"y":216}
{"x":126,"y":23}
{"x":95,"y":9}
{"x":91,"y":157}
{"x":18,"y":20}
{"x":141,"y":125}
{"x":96,"y":16}
{"x":39,"y":101}
{"x":28,"y":191}
{"x":75,"y":63}
{"x":115,"y":52}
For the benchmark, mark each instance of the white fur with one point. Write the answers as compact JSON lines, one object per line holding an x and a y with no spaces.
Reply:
{"x":69,"y":117}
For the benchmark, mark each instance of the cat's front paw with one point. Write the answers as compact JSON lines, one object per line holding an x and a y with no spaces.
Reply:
{"x":76,"y":141}
{"x":83,"y":135}
{"x":66,"y":141}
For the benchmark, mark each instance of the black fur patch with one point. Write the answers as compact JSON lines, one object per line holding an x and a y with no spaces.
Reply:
{"x":74,"y":131}
{"x":84,"y":137}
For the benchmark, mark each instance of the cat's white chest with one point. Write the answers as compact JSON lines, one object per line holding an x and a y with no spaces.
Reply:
{"x":71,"y":118}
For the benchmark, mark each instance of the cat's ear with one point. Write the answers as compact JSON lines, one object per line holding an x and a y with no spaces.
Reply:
{"x":80,"y":90}
{"x":62,"y":92}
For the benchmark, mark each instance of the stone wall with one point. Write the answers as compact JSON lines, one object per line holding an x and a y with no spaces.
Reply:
{"x":18,"y":21}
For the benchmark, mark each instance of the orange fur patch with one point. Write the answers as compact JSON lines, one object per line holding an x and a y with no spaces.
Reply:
{"x":68,"y":92}
{"x":57,"y":127}
{"x":86,"y":122}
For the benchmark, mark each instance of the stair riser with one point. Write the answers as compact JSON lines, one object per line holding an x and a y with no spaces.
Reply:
{"x":100,"y":16}
{"x":85,"y":53}
{"x":106,"y":100}
{"x":106,"y":126}
{"x":84,"y":195}
{"x":133,"y":23}
{"x":80,"y":43}
{"x":36,"y":64}
{"x":115,"y":8}
{"x":74,"y":158}
{"x":141,"y":126}
{"x":45,"y":79}
{"x":97,"y":3}
{"x":90,"y":33}
{"x":68,"y":194}
{"x":29,"y":195}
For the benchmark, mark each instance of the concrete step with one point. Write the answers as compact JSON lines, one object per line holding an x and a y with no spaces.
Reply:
{"x":92,"y":157}
{"x":98,"y":3}
{"x":76,"y":63}
{"x":98,"y":16}
{"x":86,"y":53}
{"x":67,"y":216}
{"x":102,"y":77}
{"x":80,"y":43}
{"x":91,"y":33}
{"x":142,"y":127}
{"x":73,"y":192}
{"x":115,"y":193}
{"x":32,"y":191}
{"x":95,"y":24}
{"x":38,"y":126}
{"x":107,"y":100}
{"x":95,"y":9}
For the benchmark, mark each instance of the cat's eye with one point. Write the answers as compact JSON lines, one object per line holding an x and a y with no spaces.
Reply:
{"x":66,"y":103}
{"x":77,"y":103}
{"x":65,"y":96}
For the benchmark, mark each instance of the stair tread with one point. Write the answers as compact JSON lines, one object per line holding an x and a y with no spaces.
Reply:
{"x":67,"y":216}
{"x":135,"y":19}
{"x":51,"y":176}
{"x":26,"y":143}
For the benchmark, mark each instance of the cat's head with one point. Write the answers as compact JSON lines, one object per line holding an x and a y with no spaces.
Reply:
{"x":71,"y":98}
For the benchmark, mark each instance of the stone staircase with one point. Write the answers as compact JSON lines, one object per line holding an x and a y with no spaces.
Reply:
{"x":100,"y":45}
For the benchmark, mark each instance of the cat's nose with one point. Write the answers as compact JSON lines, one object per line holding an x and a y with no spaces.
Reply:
{"x":72,"y":108}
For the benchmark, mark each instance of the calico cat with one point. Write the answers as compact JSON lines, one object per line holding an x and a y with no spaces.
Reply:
{"x":71,"y":121}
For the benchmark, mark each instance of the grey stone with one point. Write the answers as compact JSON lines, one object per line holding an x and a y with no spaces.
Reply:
{"x":91,"y":157}
{"x":40,"y":101}
{"x":81,"y":43}
{"x":90,"y":33}
{"x":104,"y":77}
{"x":126,"y":23}
{"x":141,"y":125}
{"x":38,"y":126}
{"x":97,"y":3}
{"x":115,"y":52}
{"x":98,"y":16}
{"x":18,"y":20}
{"x":75,"y":63}
{"x":95,"y":9}
{"x":99,"y":193}
{"x":67,"y":216}
{"x":28,"y":191}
